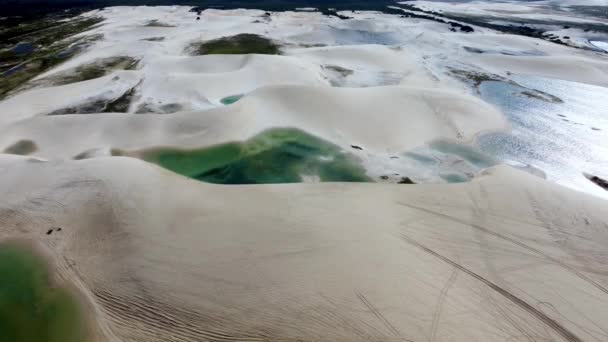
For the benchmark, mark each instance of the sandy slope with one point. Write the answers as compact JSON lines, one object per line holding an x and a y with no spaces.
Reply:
{"x":508,"y":257}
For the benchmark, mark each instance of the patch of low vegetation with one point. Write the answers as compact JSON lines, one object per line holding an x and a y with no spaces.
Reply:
{"x":89,"y":107}
{"x":333,"y":13}
{"x":154,"y":39}
{"x":336,"y":74}
{"x":473,"y":49}
{"x":503,"y":52}
{"x":540,"y":95}
{"x":396,"y":178}
{"x":49,"y":43}
{"x":85,"y":72}
{"x":406,"y":180}
{"x":117,"y":105}
{"x":528,"y":27}
{"x":305,"y":45}
{"x":122,"y":103}
{"x":22,"y":147}
{"x":240,"y":44}
{"x":412,"y":11}
{"x":344,"y":72}
{"x":155,"y":108}
{"x":157,"y":23}
{"x":45,"y":32}
{"x":476,"y":78}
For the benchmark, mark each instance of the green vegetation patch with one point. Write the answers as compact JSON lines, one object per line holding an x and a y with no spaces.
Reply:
{"x":49,"y":43}
{"x":240,"y":44}
{"x":32,"y":308}
{"x":154,"y":39}
{"x":45,"y":32}
{"x":87,"y":71}
{"x":344,"y":72}
{"x":157,"y":23}
{"x":120,"y":104}
{"x":280,"y":155}
{"x":22,"y":147}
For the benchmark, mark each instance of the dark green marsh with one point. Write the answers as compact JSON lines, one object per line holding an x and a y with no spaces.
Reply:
{"x":240,"y":44}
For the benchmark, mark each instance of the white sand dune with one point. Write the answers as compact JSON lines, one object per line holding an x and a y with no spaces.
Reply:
{"x":343,"y":116}
{"x":195,"y":82}
{"x":46,"y":100}
{"x":507,"y":257}
{"x":570,"y":68}
{"x":158,"y":257}
{"x":367,"y":64}
{"x":357,"y":56}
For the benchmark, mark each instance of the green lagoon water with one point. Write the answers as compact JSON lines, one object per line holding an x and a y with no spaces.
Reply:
{"x":467,"y":153}
{"x":32,"y":309}
{"x":281,"y":155}
{"x":228,"y":100}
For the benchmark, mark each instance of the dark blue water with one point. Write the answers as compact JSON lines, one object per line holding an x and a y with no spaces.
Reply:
{"x":33,"y":7}
{"x":23,"y":48}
